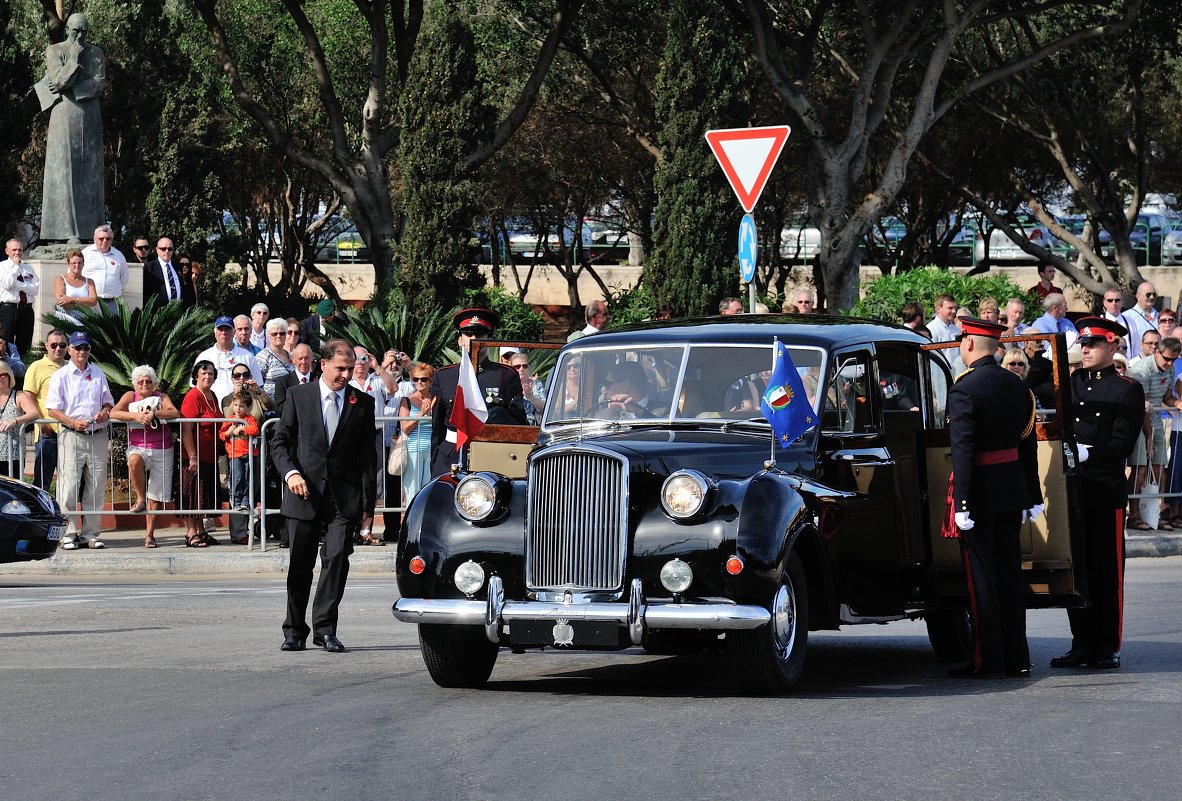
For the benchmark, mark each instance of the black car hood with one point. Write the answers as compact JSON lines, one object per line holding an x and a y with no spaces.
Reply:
{"x":721,"y":454}
{"x":27,"y":494}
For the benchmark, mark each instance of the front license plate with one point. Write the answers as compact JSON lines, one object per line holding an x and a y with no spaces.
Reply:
{"x":55,"y":532}
{"x":572,"y":634}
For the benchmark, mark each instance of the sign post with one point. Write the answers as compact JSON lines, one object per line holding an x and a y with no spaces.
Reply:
{"x":747,"y":156}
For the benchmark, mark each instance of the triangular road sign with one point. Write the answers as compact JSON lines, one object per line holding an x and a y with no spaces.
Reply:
{"x":747,"y":156}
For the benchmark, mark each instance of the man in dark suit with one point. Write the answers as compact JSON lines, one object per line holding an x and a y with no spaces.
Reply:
{"x":163,"y":281}
{"x":500,"y":384}
{"x":324,"y":450}
{"x":305,"y":372}
{"x":995,"y":488}
{"x":312,"y":328}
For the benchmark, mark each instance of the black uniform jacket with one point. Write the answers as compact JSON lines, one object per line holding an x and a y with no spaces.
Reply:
{"x":1106,"y":412}
{"x":507,"y":406}
{"x":991,"y":412}
{"x":348,"y":466}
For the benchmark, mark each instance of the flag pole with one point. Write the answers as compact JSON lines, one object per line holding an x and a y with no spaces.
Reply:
{"x":771,"y":462}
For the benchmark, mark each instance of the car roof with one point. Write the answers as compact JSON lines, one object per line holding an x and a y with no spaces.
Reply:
{"x":759,"y":329}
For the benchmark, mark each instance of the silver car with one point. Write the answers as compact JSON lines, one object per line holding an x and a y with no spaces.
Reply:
{"x":1002,"y":249}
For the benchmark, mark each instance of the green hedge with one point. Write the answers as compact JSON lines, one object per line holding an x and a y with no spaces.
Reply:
{"x":886,"y":296}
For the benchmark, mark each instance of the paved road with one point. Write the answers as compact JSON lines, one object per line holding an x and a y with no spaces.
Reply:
{"x":170,"y":689}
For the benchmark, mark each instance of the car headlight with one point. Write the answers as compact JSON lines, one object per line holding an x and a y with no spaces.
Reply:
{"x":476,"y":497}
{"x":676,"y":576}
{"x":684,"y":493}
{"x":14,"y":507}
{"x":469,"y":577}
{"x":48,"y":502}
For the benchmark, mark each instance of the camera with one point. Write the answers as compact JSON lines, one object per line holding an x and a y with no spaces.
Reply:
{"x":363,"y":358}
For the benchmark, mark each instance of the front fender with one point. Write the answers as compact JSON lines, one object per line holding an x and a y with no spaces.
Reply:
{"x":434,"y":530}
{"x":772,"y":514}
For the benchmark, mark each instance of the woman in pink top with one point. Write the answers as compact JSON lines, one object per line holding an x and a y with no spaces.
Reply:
{"x":149,"y":444}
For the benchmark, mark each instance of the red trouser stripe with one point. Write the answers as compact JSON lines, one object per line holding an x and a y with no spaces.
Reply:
{"x":968,"y":575}
{"x":1120,"y":576}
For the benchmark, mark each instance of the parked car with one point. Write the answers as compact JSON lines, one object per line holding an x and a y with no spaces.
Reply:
{"x":665,"y":523}
{"x":1171,"y":245}
{"x":31,"y":524}
{"x":1003,"y":250}
{"x":1146,"y":237}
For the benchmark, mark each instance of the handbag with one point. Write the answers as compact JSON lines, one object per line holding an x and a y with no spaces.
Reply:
{"x":396,"y":463}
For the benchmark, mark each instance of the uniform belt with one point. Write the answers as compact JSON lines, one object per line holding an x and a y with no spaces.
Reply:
{"x":996,"y":457}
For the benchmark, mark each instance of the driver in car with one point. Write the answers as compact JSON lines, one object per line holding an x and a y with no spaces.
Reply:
{"x":625,"y":393}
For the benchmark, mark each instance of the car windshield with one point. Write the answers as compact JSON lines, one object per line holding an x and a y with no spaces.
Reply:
{"x":670,"y":383}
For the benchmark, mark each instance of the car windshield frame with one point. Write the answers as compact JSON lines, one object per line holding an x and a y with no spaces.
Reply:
{"x":557,"y":418}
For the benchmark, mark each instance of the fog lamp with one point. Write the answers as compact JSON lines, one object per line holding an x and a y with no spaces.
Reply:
{"x":469,"y":577}
{"x":676,"y":576}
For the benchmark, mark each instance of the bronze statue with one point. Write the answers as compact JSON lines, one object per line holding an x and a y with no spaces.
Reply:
{"x":72,"y":197}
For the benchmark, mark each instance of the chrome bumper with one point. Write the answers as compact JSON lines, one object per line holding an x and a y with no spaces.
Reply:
{"x":638,"y":615}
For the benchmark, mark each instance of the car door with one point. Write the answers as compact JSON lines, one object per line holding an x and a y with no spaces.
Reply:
{"x":853,"y":457}
{"x":502,"y":448}
{"x":1052,"y":546}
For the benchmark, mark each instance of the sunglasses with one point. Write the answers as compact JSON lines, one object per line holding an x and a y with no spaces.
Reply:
{"x":293,"y":332}
{"x":521,"y":367}
{"x":240,"y":375}
{"x":166,"y":250}
{"x":1168,"y":320}
{"x":55,"y":345}
{"x":420,"y":379}
{"x":140,"y":247}
{"x":83,"y":348}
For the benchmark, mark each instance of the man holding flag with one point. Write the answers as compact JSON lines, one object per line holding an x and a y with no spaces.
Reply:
{"x":471,"y":393}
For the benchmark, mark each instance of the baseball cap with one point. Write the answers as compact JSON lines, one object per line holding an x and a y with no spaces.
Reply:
{"x":79,"y":338}
{"x":325,"y":307}
{"x":223,"y":322}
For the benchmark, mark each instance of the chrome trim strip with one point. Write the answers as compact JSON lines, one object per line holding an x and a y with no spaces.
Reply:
{"x":655,"y":614}
{"x":636,"y":612}
{"x":493,"y":609}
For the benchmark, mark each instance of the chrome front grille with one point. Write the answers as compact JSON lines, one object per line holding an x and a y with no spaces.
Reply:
{"x":576,"y":523}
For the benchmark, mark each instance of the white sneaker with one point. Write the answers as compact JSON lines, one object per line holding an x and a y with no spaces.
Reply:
{"x":93,"y":541}
{"x":69,"y":543}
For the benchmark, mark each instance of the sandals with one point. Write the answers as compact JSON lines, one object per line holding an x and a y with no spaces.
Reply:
{"x":370,"y":539}
{"x":196,"y":541}
{"x":1165,"y":525}
{"x":207,"y":539}
{"x":1176,"y":522}
{"x":150,"y":542}
{"x":1137,"y":524}
{"x":140,"y":506}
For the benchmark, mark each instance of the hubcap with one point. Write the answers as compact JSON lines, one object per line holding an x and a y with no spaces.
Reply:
{"x":784,"y":621}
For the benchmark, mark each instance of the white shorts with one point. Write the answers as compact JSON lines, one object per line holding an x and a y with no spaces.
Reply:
{"x":158,"y":464}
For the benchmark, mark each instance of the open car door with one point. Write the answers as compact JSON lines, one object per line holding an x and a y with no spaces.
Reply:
{"x":1052,"y":546}
{"x":505,"y":449}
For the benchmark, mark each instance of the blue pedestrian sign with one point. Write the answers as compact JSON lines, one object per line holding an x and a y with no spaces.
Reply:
{"x":747,"y":248}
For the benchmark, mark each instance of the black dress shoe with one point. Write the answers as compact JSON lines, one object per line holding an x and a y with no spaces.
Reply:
{"x":1105,"y":661}
{"x":971,"y":671}
{"x":1018,"y":672}
{"x":328,"y":642}
{"x":292,"y":643}
{"x":1076,"y":657}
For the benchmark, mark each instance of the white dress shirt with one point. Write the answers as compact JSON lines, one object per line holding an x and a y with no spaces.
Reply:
{"x":107,"y":270}
{"x":79,"y":393}
{"x":172,"y":281}
{"x":223,"y":385}
{"x":15,"y":279}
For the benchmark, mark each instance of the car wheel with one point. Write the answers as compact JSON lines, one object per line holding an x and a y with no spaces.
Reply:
{"x":950,"y":633}
{"x":771,"y":659}
{"x":457,"y":656}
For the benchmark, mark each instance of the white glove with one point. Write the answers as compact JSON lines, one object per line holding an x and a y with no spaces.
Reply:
{"x":963,"y":521}
{"x":1033,"y":513}
{"x":1083,"y":451}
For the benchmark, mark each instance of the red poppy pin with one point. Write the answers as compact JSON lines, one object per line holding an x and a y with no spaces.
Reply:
{"x":88,"y":377}
{"x":352,"y":399}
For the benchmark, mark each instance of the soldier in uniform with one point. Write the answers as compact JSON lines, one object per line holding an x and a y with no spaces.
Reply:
{"x":1108,"y":411}
{"x":995,"y":488}
{"x":501,"y":386}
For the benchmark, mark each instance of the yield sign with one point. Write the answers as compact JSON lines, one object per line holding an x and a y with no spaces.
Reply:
{"x":747,"y":156}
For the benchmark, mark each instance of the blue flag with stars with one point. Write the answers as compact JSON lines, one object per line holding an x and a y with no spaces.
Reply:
{"x":785,"y":404}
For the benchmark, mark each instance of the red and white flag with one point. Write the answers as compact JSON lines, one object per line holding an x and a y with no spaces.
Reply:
{"x":469,"y":411}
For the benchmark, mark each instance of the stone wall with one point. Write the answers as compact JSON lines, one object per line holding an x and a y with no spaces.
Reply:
{"x":44,"y":303}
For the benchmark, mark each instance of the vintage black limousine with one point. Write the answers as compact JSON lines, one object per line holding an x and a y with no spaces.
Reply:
{"x":672,"y":524}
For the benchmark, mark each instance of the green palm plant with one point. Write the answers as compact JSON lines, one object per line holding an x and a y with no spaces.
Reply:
{"x":166,"y":338}
{"x":425,"y":339}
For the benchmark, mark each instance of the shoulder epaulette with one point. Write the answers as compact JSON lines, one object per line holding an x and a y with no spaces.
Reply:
{"x":962,"y":375}
{"x":1030,"y":423}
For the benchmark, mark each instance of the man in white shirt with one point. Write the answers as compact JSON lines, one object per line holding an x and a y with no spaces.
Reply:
{"x":1142,"y":316}
{"x":597,"y":316}
{"x":1149,"y":342}
{"x":225,"y":354}
{"x":1113,"y":301}
{"x":1054,"y":320}
{"x":81,"y":401}
{"x":106,"y":266}
{"x":943,"y":326}
{"x":18,"y":289}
